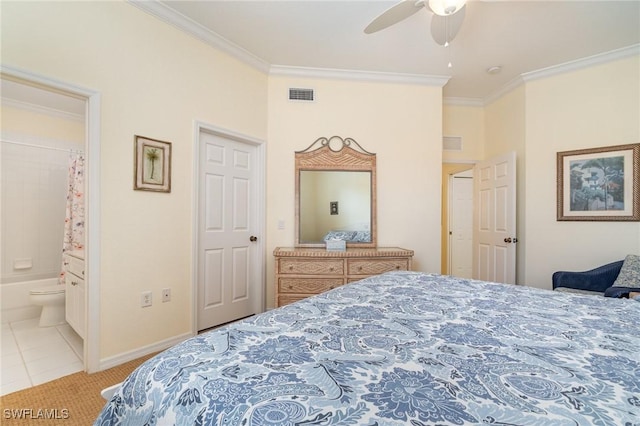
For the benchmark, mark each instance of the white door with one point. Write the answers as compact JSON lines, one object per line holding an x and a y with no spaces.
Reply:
{"x":461,"y":224}
{"x":494,"y":251}
{"x":229,"y":268}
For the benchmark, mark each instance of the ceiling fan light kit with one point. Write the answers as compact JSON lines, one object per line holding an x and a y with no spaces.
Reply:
{"x":446,"y":7}
{"x":445,"y":23}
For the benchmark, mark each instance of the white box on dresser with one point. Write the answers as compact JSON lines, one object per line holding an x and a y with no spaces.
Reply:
{"x":303,"y":272}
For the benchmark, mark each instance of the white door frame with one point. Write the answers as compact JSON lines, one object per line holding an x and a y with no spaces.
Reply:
{"x":260,"y":207}
{"x":92,"y":361}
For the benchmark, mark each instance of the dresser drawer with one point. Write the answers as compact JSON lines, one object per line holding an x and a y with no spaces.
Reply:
{"x":375,"y":267}
{"x":285,"y":299}
{"x":308,"y":285}
{"x":311,"y":267}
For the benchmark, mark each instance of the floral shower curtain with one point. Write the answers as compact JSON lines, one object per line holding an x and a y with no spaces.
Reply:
{"x":74,"y":218}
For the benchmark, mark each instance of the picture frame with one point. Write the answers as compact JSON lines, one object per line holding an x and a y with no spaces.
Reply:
{"x":152,"y":165}
{"x":599,"y":184}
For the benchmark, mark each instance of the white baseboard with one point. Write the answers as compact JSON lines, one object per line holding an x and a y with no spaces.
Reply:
{"x":115,"y":360}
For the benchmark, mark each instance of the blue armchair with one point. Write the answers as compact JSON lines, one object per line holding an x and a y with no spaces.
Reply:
{"x":594,"y":281}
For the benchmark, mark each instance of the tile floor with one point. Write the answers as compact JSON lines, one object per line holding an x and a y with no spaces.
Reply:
{"x":32,"y":355}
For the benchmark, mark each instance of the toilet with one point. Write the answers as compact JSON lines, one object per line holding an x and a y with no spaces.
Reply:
{"x":51,"y":298}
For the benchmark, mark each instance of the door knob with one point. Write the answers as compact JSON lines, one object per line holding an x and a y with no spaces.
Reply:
{"x":507,"y":240}
{"x":253,"y":239}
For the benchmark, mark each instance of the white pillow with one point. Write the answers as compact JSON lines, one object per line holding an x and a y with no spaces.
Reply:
{"x":629,"y":273}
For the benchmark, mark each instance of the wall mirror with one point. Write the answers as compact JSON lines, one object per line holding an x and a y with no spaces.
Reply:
{"x":335,"y":194}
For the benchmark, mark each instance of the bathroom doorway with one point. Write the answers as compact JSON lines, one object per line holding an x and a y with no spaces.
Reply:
{"x":27,"y":100}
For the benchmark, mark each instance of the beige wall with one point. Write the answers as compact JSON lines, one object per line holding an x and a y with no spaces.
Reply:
{"x":467,"y":122}
{"x":154,"y":81}
{"x":401,"y":123}
{"x":594,"y":107}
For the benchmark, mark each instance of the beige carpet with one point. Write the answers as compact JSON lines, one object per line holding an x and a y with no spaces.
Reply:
{"x":70,"y":400}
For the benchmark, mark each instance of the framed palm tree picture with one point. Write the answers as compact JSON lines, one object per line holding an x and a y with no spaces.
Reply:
{"x":152,"y":165}
{"x":599,"y":184}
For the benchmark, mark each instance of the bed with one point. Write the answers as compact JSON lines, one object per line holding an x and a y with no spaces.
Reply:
{"x":402,"y":348}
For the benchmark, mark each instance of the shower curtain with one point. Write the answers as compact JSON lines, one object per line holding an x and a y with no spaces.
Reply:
{"x":74,"y":218}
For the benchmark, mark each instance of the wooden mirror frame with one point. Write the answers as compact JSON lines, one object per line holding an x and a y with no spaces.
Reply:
{"x":348,"y":156}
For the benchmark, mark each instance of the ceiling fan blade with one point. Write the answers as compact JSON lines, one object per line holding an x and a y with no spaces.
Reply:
{"x":445,"y":28}
{"x":393,"y":15}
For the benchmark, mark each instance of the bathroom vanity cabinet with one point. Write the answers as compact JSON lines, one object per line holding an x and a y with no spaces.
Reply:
{"x":75,"y":292}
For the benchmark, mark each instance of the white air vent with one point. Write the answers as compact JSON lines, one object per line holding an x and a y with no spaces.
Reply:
{"x":301,"y":95}
{"x":452,"y":143}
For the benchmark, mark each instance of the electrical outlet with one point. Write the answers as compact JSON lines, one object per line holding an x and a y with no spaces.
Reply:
{"x":146,"y":299}
{"x":166,"y":294}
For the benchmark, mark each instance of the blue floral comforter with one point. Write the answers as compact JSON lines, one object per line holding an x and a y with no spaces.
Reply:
{"x":402,"y":348}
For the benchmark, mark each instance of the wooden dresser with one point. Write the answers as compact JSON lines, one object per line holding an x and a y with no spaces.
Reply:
{"x":303,"y":272}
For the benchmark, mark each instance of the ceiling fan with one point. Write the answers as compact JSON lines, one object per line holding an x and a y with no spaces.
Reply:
{"x":445,"y":23}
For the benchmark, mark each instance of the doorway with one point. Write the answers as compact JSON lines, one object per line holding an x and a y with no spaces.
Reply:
{"x":91,"y":100}
{"x":229,"y":260}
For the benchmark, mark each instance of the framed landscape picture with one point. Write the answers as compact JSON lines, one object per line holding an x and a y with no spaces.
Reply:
{"x":599,"y":184}
{"x":152,"y":167}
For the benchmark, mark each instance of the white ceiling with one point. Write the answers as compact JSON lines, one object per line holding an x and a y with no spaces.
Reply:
{"x":520,"y":36}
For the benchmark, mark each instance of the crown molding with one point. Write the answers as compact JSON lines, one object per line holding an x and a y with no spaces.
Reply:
{"x":188,"y":25}
{"x":374,"y":76}
{"x":578,"y":64}
{"x":513,"y":84}
{"x":582,"y":63}
{"x":469,"y":102}
{"x":460,"y":161}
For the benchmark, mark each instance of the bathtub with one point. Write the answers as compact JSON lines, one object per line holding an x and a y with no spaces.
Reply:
{"x":16,"y":305}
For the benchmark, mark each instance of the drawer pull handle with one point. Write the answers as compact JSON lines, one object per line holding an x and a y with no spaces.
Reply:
{"x":398,"y":267}
{"x":359,"y":268}
{"x":291,"y":267}
{"x":331,"y":269}
{"x":290,"y":287}
{"x":331,"y":287}
{"x":74,"y":283}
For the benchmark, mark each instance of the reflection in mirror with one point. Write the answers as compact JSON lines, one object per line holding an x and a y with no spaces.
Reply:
{"x":335,"y":205}
{"x":335,"y":194}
